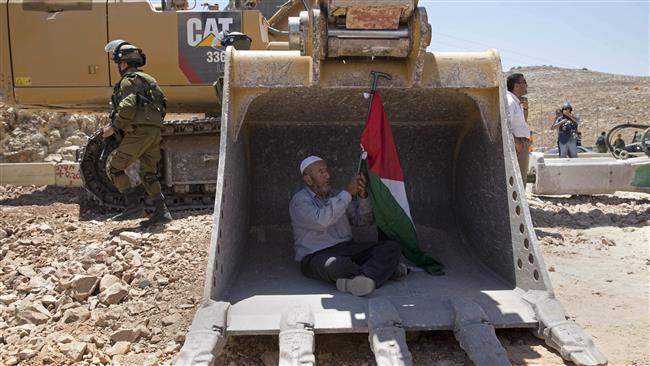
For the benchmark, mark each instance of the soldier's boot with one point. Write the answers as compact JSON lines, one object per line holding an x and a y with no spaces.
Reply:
{"x":160,"y":214}
{"x":134,"y":208}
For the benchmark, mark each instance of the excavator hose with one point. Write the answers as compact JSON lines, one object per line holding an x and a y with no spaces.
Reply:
{"x":620,"y":153}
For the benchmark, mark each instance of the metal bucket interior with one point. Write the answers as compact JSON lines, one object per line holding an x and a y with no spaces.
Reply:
{"x":456,"y":181}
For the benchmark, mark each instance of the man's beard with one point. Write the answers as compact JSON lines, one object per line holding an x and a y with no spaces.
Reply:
{"x":322,"y":190}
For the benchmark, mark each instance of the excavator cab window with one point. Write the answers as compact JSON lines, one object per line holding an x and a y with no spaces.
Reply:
{"x":238,"y":40}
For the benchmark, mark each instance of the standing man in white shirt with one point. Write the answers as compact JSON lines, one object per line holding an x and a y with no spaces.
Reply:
{"x":517,"y":111}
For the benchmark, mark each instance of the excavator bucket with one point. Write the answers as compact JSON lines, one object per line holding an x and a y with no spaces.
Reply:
{"x":448,"y":116}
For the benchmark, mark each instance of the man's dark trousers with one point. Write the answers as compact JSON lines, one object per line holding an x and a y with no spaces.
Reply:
{"x":348,"y":259}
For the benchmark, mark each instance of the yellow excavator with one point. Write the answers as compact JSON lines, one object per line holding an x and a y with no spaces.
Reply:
{"x":50,"y":59}
{"x":299,"y":90}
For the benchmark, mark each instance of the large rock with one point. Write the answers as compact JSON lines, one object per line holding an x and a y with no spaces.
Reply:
{"x":79,"y":314}
{"x":116,"y":268}
{"x":26,"y":155}
{"x":83,"y":286}
{"x":8,"y":298}
{"x":126,"y":335}
{"x":92,"y":253}
{"x":137,"y":307}
{"x":142,"y":278}
{"x":155,"y":258}
{"x":22,"y":330}
{"x":44,"y":228}
{"x":53,"y":158}
{"x":71,"y":227}
{"x":105,"y":317}
{"x":140,"y":359}
{"x":68,"y":153}
{"x":27,"y":353}
{"x":12,"y":339}
{"x":76,"y":140}
{"x":48,"y":300}
{"x":119,"y":348}
{"x":64,"y":338}
{"x":74,"y":267}
{"x":136,"y":258}
{"x":171,"y":319}
{"x":131,"y":237}
{"x":27,"y":271}
{"x":96,"y":269}
{"x":114,"y":294}
{"x":37,"y":282}
{"x":171,"y":347}
{"x":34,"y":314}
{"x":107,"y":281}
{"x":73,"y":350}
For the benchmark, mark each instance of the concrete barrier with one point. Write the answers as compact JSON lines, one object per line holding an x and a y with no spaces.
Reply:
{"x":591,"y":175}
{"x":67,"y":175}
{"x":40,"y":174}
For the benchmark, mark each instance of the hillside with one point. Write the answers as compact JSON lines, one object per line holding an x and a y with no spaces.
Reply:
{"x":602,"y":100}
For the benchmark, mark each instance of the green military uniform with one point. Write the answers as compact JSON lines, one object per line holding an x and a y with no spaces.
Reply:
{"x":138,"y":110}
{"x":139,"y":106}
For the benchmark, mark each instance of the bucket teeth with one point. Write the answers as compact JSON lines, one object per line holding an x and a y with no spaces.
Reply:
{"x":386,"y":334}
{"x":476,"y":335}
{"x":207,"y":336}
{"x":573,"y":343}
{"x":296,"y":338}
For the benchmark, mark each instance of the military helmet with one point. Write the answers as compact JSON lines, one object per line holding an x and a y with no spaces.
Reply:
{"x":567,"y":106}
{"x":122,"y":51}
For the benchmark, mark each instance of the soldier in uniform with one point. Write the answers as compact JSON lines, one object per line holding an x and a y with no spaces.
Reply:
{"x":138,"y":111}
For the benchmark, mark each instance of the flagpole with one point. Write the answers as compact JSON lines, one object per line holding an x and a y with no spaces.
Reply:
{"x":376,"y":75}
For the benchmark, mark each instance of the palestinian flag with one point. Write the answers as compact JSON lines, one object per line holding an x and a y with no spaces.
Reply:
{"x":380,"y":164}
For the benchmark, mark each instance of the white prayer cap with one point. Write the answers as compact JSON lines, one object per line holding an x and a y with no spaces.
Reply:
{"x":307,"y":162}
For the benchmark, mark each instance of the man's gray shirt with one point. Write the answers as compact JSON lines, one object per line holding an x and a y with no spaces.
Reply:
{"x":320,"y":223}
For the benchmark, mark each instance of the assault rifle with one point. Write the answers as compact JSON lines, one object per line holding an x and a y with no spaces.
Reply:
{"x":113,"y":141}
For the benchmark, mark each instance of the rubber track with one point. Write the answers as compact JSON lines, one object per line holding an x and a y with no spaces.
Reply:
{"x":99,"y":187}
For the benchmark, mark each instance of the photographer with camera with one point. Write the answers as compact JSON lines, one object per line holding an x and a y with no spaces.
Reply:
{"x":567,"y":125}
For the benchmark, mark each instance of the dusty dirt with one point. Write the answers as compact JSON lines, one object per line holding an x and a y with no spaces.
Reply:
{"x":48,"y":238}
{"x":596,"y":249}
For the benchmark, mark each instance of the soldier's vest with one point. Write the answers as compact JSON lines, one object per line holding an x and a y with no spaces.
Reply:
{"x":151,"y":101}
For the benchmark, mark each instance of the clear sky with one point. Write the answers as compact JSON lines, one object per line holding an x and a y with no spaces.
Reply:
{"x":608,"y":36}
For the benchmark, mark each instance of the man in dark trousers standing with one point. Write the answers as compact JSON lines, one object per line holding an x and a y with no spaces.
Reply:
{"x":601,"y":143}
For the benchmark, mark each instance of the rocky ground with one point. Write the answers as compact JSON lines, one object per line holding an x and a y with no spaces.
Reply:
{"x":28,"y":135}
{"x":76,"y":288}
